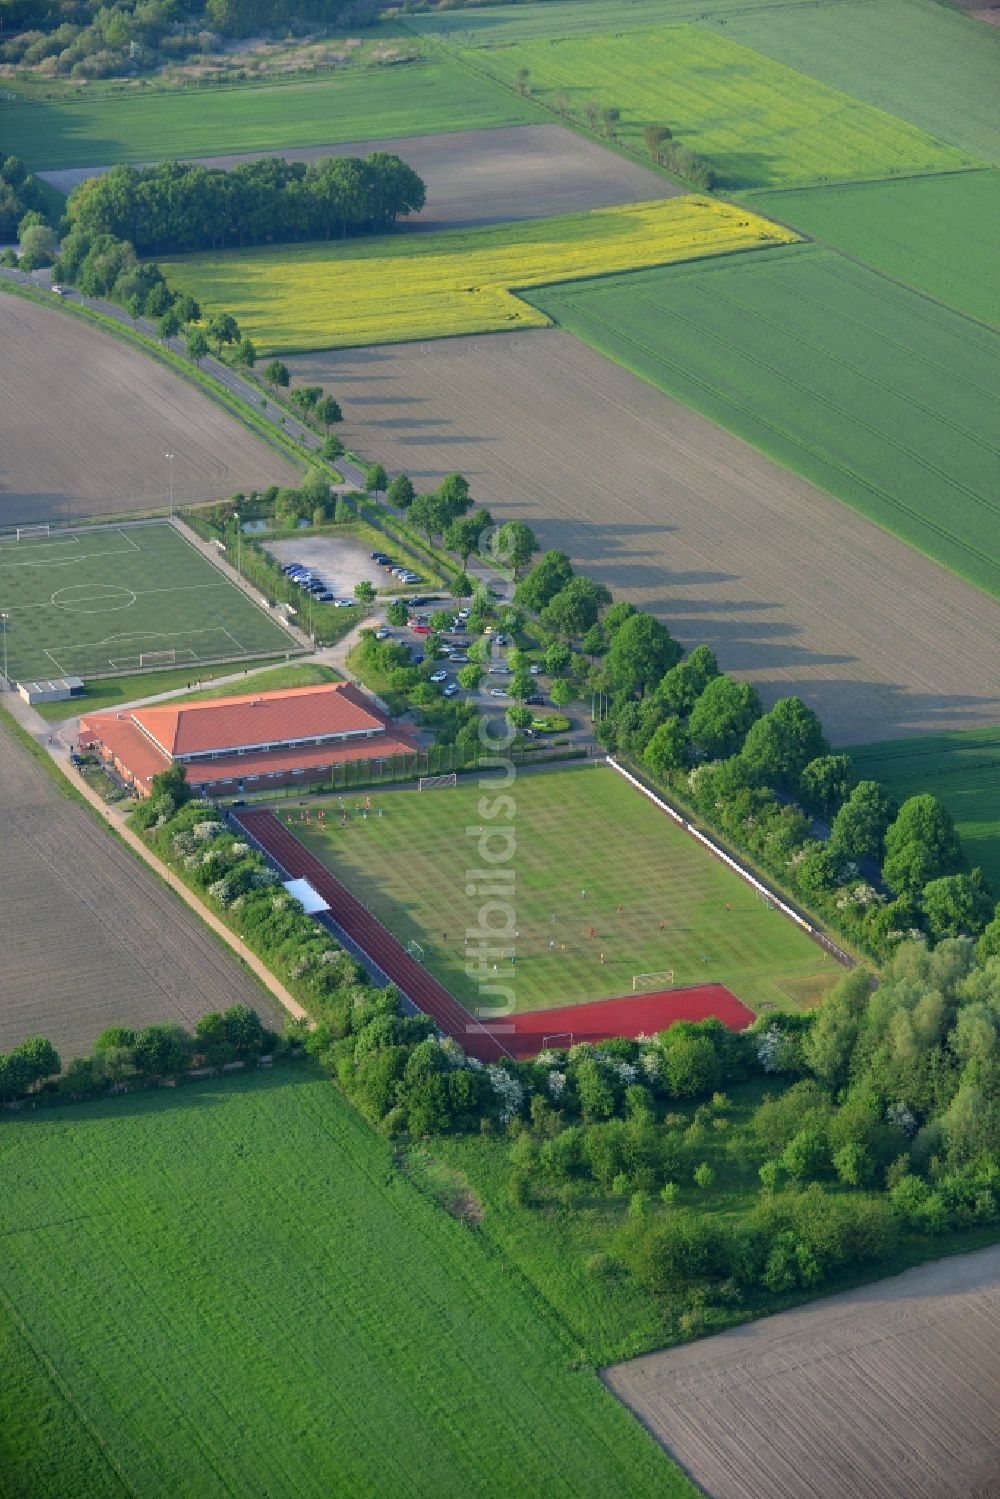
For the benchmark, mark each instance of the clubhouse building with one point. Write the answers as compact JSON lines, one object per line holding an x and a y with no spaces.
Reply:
{"x":236,"y":744}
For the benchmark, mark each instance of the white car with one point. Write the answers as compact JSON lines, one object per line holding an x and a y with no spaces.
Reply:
{"x":498,"y":692}
{"x":383,"y":634}
{"x":535,"y":669}
{"x":439,"y":676}
{"x":343,"y":603}
{"x":451,"y":689}
{"x":463,"y":613}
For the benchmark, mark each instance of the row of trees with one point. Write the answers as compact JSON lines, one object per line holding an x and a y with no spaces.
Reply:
{"x":659,"y":139}
{"x":123,"y":1055}
{"x":768,"y":781}
{"x":183,"y":206}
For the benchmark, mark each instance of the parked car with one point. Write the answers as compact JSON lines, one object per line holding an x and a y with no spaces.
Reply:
{"x":343,"y":603}
{"x":535,"y":669}
{"x":457,"y":659}
{"x":292,"y":567}
{"x":383,"y":634}
{"x":439,"y":676}
{"x":534,"y":700}
{"x":326,"y":597}
{"x":502,"y":639}
{"x":421,"y":629}
{"x":451,"y":689}
{"x":379,"y":557}
{"x":384,"y":561}
{"x":464,"y":613}
{"x":416,"y":657}
{"x":499,"y":670}
{"x":498,"y":692}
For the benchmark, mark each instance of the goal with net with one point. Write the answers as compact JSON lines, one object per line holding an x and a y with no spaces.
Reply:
{"x":157,"y":658}
{"x":32,"y":533}
{"x":415,"y":950}
{"x":435,"y":783}
{"x":558,"y":1041}
{"x":658,"y":980}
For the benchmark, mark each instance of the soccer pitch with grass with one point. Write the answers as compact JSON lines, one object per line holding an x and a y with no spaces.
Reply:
{"x":758,"y":122}
{"x":105,"y":600}
{"x":399,"y":287}
{"x":574,"y":830}
{"x":876,"y":394}
{"x":230,"y":1289}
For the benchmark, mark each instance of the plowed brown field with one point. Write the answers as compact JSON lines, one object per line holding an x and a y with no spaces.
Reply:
{"x":888,"y":1392}
{"x":90,"y":937}
{"x":791,"y":589}
{"x":85,"y":422}
{"x":483,"y":176}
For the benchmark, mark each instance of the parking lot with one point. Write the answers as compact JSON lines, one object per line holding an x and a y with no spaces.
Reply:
{"x":339,"y":562}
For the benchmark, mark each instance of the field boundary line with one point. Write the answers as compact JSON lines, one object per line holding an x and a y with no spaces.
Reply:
{"x":751,"y":879}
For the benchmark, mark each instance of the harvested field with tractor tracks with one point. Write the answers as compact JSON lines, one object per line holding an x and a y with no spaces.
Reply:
{"x":888,"y":1390}
{"x":791,"y":588}
{"x":85,"y":422}
{"x":91,"y":938}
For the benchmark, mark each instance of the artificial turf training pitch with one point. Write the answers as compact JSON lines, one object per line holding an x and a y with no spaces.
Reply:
{"x":584,"y":844}
{"x":111,"y":599}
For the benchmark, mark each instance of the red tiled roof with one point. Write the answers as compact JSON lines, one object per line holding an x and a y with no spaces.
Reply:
{"x":128,"y":745}
{"x":308,"y":757}
{"x":259,"y":718}
{"x":120,"y":734}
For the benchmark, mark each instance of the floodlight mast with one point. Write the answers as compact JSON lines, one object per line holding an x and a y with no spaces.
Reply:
{"x":4,"y":616}
{"x":170,"y":459}
{"x":236,"y":519}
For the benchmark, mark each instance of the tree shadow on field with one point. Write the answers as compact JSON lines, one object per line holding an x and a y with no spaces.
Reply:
{"x":190,"y":1094}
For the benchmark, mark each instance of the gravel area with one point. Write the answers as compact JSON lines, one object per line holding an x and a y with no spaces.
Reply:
{"x":340,"y":564}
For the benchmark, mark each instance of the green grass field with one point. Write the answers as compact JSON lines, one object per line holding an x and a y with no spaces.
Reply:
{"x":938,"y":234}
{"x":758,"y":122}
{"x":230,"y":1289}
{"x":487,"y":25}
{"x":392,"y":288}
{"x":581,"y":829}
{"x":116,"y":599}
{"x":920,"y":60}
{"x":418,"y":99}
{"x":113,"y":692}
{"x":962,"y":770}
{"x":878,"y":395}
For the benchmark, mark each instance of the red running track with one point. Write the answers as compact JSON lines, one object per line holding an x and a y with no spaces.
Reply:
{"x":632,"y":1015}
{"x":372,"y":937}
{"x":519,"y":1036}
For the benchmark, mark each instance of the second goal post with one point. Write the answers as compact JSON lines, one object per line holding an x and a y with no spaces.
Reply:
{"x":660,"y":980}
{"x":437,"y":783}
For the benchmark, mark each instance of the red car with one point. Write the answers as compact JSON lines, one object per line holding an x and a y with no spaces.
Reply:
{"x":421,"y":629}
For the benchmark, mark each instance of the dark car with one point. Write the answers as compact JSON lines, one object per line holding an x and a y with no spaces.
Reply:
{"x":326,"y":597}
{"x":377,"y":556}
{"x":534,"y":701}
{"x":416,"y":658}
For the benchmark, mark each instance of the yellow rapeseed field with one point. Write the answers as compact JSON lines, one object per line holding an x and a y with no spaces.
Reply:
{"x":409,"y":286}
